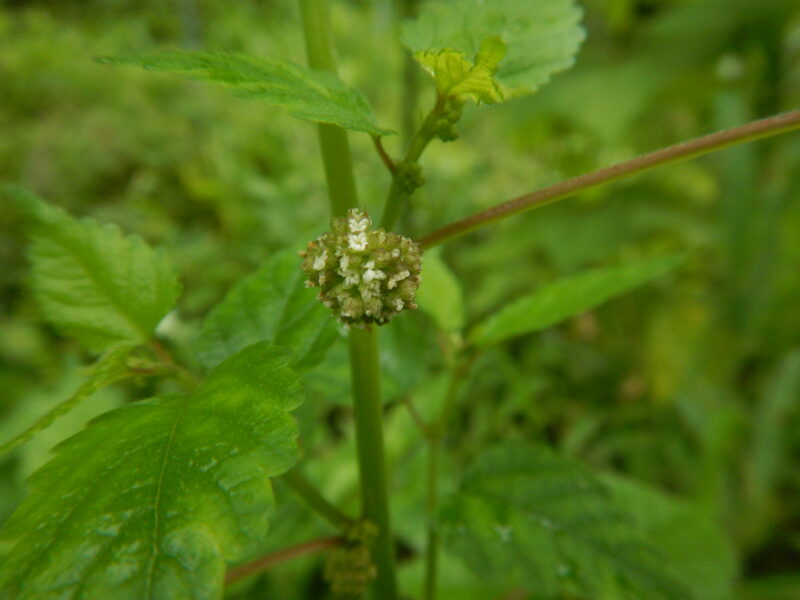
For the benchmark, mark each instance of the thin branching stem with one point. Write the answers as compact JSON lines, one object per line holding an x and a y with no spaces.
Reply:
{"x":298,"y":483}
{"x":752,"y":131}
{"x":265,"y":562}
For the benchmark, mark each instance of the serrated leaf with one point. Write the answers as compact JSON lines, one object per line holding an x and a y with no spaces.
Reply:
{"x":152,"y":499}
{"x":271,"y":305}
{"x":457,"y":76}
{"x":92,"y":281}
{"x":109,"y":368}
{"x":440,"y":294}
{"x":306,"y":94}
{"x":541,"y":37}
{"x":550,"y":526}
{"x":567,"y":298}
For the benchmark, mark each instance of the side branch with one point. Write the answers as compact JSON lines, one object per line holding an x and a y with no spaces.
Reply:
{"x":755,"y":130}
{"x":268,"y":560}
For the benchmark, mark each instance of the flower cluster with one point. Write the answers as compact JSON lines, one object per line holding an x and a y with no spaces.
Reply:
{"x":366,"y":276}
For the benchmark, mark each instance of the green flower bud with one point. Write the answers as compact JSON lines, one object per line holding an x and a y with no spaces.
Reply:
{"x":365,"y":276}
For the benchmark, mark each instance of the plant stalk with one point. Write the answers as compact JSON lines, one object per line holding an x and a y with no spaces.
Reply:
{"x":301,"y":486}
{"x":364,"y":367}
{"x":775,"y":125}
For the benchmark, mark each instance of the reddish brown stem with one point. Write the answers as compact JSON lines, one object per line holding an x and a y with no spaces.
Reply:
{"x":268,"y":560}
{"x":387,"y":160}
{"x":703,"y":145}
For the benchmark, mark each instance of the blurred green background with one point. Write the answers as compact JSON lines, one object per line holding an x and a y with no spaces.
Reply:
{"x":691,"y":385}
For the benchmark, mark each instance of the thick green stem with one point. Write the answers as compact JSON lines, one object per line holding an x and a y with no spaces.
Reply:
{"x":363,"y":344}
{"x":333,"y":143}
{"x":311,"y":496}
{"x":367,"y":407}
{"x":755,"y":130}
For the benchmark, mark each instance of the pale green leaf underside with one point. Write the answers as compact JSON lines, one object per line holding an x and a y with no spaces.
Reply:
{"x":271,"y":305}
{"x":542,"y":37}
{"x":548,"y":525}
{"x":440,"y":294}
{"x":92,"y":281}
{"x":458,"y":76}
{"x":306,"y":94}
{"x":567,"y":298}
{"x":151,"y":500}
{"x":110,"y":367}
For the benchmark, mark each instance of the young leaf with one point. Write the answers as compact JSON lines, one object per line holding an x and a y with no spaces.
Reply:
{"x":541,"y":37}
{"x":92,"y":281}
{"x":110,"y":367}
{"x":271,"y":305}
{"x":456,"y":76}
{"x":152,"y":499}
{"x":306,"y":94}
{"x":440,"y":294}
{"x":567,"y":298}
{"x":549,"y":525}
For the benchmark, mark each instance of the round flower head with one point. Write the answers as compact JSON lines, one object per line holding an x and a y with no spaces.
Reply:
{"x":366,"y":276}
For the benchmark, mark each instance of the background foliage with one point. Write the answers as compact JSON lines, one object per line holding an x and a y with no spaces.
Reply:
{"x":690,"y":385}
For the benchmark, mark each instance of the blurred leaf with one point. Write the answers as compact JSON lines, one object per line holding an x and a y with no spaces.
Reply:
{"x":440,"y":294}
{"x":152,"y":499}
{"x":692,"y":544}
{"x":306,"y":94}
{"x":456,"y":76}
{"x":92,"y":281}
{"x":110,"y":367}
{"x":541,"y":37}
{"x":567,"y":298}
{"x":549,"y":525}
{"x":271,"y":305}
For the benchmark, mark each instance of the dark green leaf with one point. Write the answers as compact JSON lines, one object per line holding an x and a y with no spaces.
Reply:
{"x":311,"y":95}
{"x":152,"y":499}
{"x":567,"y":298}
{"x":541,"y":37}
{"x":92,"y":281}
{"x":271,"y":305}
{"x":550,"y":526}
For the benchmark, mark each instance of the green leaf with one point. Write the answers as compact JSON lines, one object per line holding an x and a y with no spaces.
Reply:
{"x":440,"y":294}
{"x":456,"y":76}
{"x":541,"y":37}
{"x":549,"y":525}
{"x":271,"y":305}
{"x":306,"y":94}
{"x":567,"y":298}
{"x":692,"y":544}
{"x":92,"y":281}
{"x":152,"y":499}
{"x":110,"y":367}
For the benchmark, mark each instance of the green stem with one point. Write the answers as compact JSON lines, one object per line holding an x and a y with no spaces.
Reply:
{"x":755,"y":130}
{"x":301,"y":486}
{"x":363,"y":344}
{"x":333,"y":142}
{"x":398,"y":193}
{"x":435,"y":441}
{"x":368,"y":414}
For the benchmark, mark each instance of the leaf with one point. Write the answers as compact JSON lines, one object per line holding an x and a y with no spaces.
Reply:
{"x":152,"y":499}
{"x":92,"y":281}
{"x":549,"y":525}
{"x":456,"y":76}
{"x":109,"y":368}
{"x":567,"y":298}
{"x":271,"y":305}
{"x":306,"y":94}
{"x":440,"y":294}
{"x":693,"y":545}
{"x":541,"y":37}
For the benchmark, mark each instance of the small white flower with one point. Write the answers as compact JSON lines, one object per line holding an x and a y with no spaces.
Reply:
{"x":357,"y":241}
{"x":397,"y":277}
{"x":399,"y":304}
{"x":319,"y":262}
